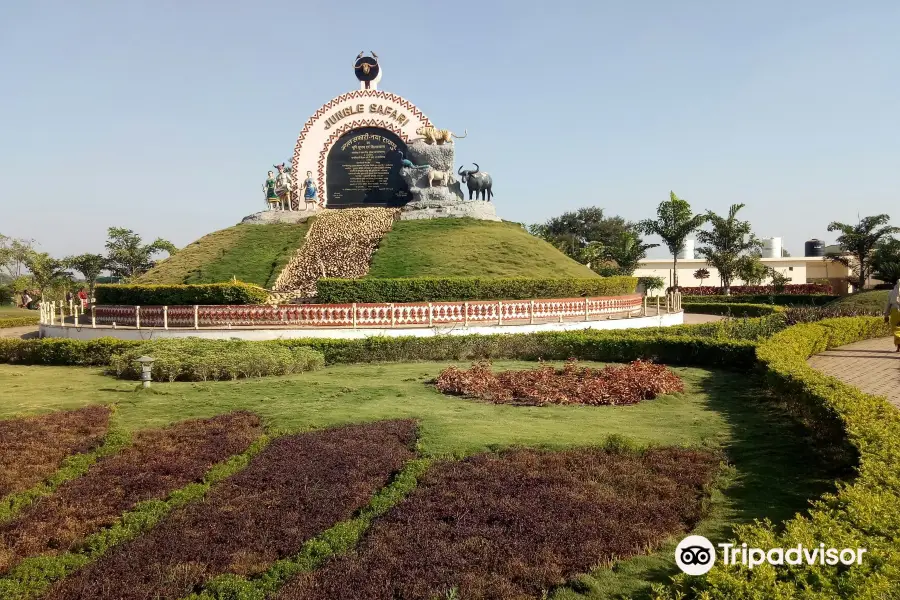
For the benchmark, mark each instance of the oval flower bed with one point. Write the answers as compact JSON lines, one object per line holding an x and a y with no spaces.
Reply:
{"x":573,"y":384}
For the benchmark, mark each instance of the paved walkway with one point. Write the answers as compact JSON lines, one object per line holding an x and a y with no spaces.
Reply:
{"x":871,"y":366}
{"x":694,"y":318}
{"x":19,"y":332}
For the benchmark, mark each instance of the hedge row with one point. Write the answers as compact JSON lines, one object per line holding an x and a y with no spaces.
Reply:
{"x":19,"y":321}
{"x":732,"y":309}
{"x":799,"y":288}
{"x":861,"y":514}
{"x":679,"y":348}
{"x":779,"y":299}
{"x":175,"y":295}
{"x":456,"y":289}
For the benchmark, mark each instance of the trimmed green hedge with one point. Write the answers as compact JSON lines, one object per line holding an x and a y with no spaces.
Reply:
{"x":733,"y":309}
{"x":779,"y":299}
{"x":19,"y":321}
{"x":175,"y":295}
{"x":456,"y":289}
{"x":861,"y":514}
{"x":679,"y":347}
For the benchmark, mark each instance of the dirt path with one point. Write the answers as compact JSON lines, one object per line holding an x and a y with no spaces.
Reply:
{"x":30,"y":331}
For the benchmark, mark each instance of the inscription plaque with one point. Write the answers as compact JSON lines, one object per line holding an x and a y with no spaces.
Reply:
{"x":363,"y":169}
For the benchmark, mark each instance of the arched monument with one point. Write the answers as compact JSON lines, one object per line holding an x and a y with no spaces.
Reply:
{"x":369,"y":147}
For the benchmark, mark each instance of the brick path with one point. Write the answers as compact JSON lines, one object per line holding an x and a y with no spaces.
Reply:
{"x":871,"y":366}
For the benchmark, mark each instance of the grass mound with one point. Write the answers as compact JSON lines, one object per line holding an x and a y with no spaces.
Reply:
{"x":251,"y":253}
{"x":468,"y":247}
{"x":295,"y":488}
{"x":32,"y":448}
{"x":518,"y":524}
{"x":611,"y":385}
{"x":159,"y":462}
{"x":872,"y":301}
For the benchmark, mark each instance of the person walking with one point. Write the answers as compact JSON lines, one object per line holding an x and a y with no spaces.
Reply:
{"x":892,"y":313}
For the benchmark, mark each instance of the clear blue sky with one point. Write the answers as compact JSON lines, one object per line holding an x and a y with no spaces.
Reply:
{"x":164,"y":116}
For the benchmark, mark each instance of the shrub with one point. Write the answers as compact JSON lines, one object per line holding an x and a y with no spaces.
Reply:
{"x":611,"y":385}
{"x":19,"y":321}
{"x":800,"y":288}
{"x":735,"y":309}
{"x":777,"y":299}
{"x":175,"y":295}
{"x":194,"y":359}
{"x":61,"y":352}
{"x":861,"y":514}
{"x":455,"y":289}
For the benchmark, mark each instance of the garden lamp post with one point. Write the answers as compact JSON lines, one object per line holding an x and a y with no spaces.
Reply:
{"x":146,"y":363}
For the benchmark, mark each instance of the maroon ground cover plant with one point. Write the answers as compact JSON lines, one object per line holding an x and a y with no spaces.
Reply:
{"x":32,"y":448}
{"x":296,"y":488}
{"x":613,"y":384}
{"x":157,"y":463}
{"x":512,"y":526}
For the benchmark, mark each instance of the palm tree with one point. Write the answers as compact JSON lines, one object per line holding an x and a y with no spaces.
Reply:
{"x":859,"y":241}
{"x":728,"y":244}
{"x":674,"y":222}
{"x":627,"y":251}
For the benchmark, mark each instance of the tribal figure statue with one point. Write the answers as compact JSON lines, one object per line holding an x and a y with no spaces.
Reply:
{"x":284,"y":186}
{"x":310,"y":193}
{"x":269,"y":190}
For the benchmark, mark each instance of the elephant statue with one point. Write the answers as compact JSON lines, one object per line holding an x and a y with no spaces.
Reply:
{"x":478,"y":182}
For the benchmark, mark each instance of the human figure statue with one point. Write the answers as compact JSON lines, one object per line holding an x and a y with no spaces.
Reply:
{"x":269,"y":190}
{"x":310,"y":192}
{"x":284,"y":186}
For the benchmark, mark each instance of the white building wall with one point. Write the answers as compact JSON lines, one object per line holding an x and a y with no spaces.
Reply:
{"x":794,"y":268}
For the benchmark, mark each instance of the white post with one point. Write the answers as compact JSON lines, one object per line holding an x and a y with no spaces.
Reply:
{"x":76,"y":318}
{"x":72,"y":307}
{"x":137,"y":317}
{"x":499,"y":312}
{"x":465,"y":314}
{"x":52,"y":310}
{"x":531,"y":312}
{"x":392,"y":315}
{"x":354,"y":315}
{"x":657,"y":306}
{"x":93,"y":317}
{"x":587,"y":313}
{"x":165,"y":317}
{"x":196,"y":317}
{"x":62,"y":314}
{"x":430,"y":315}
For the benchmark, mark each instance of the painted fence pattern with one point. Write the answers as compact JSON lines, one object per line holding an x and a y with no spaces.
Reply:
{"x":424,"y":314}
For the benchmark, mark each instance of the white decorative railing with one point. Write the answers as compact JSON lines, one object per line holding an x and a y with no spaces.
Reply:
{"x":387,"y":315}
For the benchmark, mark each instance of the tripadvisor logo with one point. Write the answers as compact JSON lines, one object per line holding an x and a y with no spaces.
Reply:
{"x":695,"y":555}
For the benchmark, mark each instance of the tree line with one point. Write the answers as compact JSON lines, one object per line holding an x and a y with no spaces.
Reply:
{"x":24,"y":268}
{"x":610,"y":245}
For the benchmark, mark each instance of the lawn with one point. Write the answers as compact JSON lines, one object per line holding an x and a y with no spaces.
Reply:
{"x":773,"y":474}
{"x":874,"y":300}
{"x":9,"y":312}
{"x":467,"y":247}
{"x":251,"y":253}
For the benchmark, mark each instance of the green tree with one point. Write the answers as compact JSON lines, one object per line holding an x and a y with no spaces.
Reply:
{"x":859,"y":242}
{"x":751,"y":269}
{"x":886,"y":260}
{"x":727,"y":244}
{"x":673,"y":223}
{"x":627,"y":250}
{"x":90,"y":266}
{"x":779,"y":279}
{"x":13,"y":253}
{"x":127,"y":255}
{"x":581,"y":233}
{"x":701,"y":274}
{"x":46,"y":271}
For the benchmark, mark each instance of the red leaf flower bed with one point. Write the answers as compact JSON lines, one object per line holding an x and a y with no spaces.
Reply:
{"x":614,"y":384}
{"x":759,"y":290}
{"x":157,"y":463}
{"x":511,"y":526}
{"x":294,"y":489}
{"x":34,"y":447}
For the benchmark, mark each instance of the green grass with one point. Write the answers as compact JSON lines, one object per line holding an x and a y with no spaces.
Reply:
{"x":871,"y":300}
{"x":468,"y":247}
{"x":252,"y":253}
{"x":8,"y":312}
{"x":774,"y":471}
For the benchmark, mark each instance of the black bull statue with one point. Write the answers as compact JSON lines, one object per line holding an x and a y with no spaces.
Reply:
{"x":477,"y":182}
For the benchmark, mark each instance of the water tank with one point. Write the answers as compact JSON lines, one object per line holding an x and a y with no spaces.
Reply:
{"x":814,"y":248}
{"x":687,"y":250}
{"x":771,"y":247}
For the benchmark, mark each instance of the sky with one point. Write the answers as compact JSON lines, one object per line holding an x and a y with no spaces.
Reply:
{"x":163,"y":117}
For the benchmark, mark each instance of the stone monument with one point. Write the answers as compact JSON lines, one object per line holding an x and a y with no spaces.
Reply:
{"x":372,"y":148}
